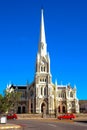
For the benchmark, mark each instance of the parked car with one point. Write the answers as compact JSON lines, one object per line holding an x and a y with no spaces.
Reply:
{"x":66,"y":116}
{"x":12,"y":116}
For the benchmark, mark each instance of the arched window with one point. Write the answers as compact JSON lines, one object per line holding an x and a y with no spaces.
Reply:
{"x":41,"y":68}
{"x":73,"y":104}
{"x":63,"y":95}
{"x":41,"y":90}
{"x":31,"y":93}
{"x":44,"y":68}
{"x":71,"y":94}
{"x":45,"y":91}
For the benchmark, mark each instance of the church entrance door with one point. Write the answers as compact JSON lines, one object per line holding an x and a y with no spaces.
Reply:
{"x":42,"y":107}
{"x":23,"y":109}
{"x":19,"y":110}
{"x":31,"y":107}
{"x":63,"y":109}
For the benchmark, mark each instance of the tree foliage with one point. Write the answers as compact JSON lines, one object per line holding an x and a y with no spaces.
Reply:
{"x":9,"y":101}
{"x":3,"y":106}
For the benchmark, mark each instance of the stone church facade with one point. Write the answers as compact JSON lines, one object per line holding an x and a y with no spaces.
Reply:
{"x":42,"y":94}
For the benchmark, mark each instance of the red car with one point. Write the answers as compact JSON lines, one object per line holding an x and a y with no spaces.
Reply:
{"x":66,"y":116}
{"x":12,"y":116}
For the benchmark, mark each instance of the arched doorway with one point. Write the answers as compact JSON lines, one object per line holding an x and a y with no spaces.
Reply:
{"x":23,"y":109}
{"x":63,"y":109}
{"x":59,"y":109}
{"x":19,"y":110}
{"x":42,"y":106}
{"x":31,"y":107}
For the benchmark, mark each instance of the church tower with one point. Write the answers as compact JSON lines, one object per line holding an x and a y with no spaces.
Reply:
{"x":42,"y":75}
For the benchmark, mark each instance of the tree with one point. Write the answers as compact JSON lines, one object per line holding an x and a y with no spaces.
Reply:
{"x":12,"y":99}
{"x":2,"y":104}
{"x":8,"y":102}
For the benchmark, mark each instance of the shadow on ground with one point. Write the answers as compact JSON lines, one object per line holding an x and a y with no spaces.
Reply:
{"x":81,"y":121}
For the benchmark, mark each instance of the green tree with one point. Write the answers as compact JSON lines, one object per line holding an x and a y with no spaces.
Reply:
{"x":12,"y":99}
{"x":9,"y":101}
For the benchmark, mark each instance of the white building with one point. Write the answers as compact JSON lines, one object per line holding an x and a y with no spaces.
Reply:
{"x":42,"y":93}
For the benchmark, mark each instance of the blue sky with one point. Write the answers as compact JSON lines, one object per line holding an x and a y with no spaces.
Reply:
{"x":66,"y":36}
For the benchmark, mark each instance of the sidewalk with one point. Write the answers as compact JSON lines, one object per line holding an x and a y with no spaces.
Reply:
{"x":81,"y":119}
{"x":9,"y":126}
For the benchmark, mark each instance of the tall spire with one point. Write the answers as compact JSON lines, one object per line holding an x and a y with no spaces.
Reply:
{"x":42,"y":29}
{"x":42,"y":40}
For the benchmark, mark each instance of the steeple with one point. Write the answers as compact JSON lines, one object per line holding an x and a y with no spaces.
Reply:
{"x":42,"y":29}
{"x":42,"y":40}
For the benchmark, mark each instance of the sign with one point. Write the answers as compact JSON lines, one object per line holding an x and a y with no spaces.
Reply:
{"x":3,"y":120}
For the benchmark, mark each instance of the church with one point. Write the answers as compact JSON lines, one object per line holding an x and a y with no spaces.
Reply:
{"x":42,"y":94}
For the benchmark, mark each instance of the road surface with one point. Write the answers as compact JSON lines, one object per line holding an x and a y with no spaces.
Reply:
{"x":49,"y":124}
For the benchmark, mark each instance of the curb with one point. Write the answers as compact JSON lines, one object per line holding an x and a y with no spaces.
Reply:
{"x":37,"y":118}
{"x":9,"y":126}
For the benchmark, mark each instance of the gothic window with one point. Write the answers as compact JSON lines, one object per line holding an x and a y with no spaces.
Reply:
{"x":45,"y":91}
{"x":71,"y":94}
{"x":44,"y":69}
{"x":73,"y":104}
{"x":63,"y":94}
{"x":41,"y":68}
{"x":41,"y":90}
{"x":42,"y":79}
{"x":23,"y":95}
{"x":31,"y":93}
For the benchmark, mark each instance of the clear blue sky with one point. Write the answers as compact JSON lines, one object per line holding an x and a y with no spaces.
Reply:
{"x":66,"y":36}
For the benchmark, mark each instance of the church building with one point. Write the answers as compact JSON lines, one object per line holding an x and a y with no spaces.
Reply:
{"x":42,"y":94}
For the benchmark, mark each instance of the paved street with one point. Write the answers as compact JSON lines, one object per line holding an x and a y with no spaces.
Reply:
{"x":49,"y":124}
